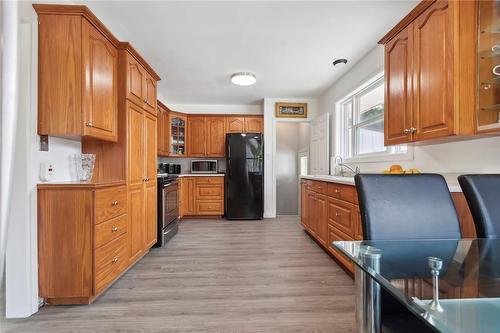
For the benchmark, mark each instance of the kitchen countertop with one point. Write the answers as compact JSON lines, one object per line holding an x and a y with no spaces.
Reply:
{"x":451,"y":180}
{"x":201,"y":175}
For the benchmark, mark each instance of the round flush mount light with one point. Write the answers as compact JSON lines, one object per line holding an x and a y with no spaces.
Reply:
{"x":243,"y":78}
{"x":339,"y":61}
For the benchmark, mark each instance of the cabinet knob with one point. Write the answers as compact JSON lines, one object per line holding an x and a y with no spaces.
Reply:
{"x":337,"y":214}
{"x":406,"y":131}
{"x":413,"y":129}
{"x":114,"y":229}
{"x":337,"y":190}
{"x":114,"y":261}
{"x":89,"y":124}
{"x":145,"y":101}
{"x":114,"y":203}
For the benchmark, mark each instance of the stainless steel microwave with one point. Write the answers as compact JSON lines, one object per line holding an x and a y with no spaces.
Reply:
{"x":204,"y":166}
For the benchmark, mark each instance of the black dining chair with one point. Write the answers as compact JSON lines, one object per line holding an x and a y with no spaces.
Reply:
{"x":482,"y":193}
{"x":398,"y":207}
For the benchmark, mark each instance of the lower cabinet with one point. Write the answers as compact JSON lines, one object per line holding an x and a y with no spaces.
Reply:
{"x":329,"y":212}
{"x":202,"y":196}
{"x":83,"y":240}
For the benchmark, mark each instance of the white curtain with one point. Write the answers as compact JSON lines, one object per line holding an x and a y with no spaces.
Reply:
{"x":9,"y":31}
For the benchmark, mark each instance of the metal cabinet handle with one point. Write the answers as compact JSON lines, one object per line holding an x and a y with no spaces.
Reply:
{"x":89,"y":124}
{"x":406,"y":131}
{"x":337,"y":190}
{"x":114,"y":203}
{"x":114,"y":261}
{"x":337,"y":214}
{"x":413,"y":129}
{"x":114,"y":229}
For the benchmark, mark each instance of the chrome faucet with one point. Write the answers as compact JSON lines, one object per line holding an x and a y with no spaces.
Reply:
{"x":340,"y":162}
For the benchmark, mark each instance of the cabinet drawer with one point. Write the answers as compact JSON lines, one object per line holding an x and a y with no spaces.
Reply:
{"x":209,"y":192}
{"x":209,"y":207}
{"x":336,"y":235}
{"x":340,"y":215}
{"x":342,"y":192}
{"x":320,"y":187}
{"x":210,"y":180}
{"x":110,"y":260}
{"x":109,"y":230}
{"x":110,"y":203}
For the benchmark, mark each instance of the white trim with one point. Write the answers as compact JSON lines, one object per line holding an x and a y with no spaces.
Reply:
{"x":339,"y":132}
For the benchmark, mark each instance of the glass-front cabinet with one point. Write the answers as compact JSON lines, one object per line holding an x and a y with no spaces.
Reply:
{"x":489,"y":65}
{"x":177,"y":135}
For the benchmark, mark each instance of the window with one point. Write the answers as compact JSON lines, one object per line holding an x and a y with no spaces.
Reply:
{"x":362,"y":123}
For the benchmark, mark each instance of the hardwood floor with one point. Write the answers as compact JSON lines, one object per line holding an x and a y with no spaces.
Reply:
{"x":218,"y":276}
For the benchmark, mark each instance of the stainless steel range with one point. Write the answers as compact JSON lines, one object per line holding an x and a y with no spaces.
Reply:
{"x":168,"y":208}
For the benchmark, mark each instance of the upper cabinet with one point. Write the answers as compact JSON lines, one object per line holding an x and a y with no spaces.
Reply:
{"x":197,"y":136}
{"x":489,"y":66}
{"x":77,"y":74}
{"x":206,"y":136}
{"x":430,"y":73}
{"x":163,"y":130}
{"x":242,"y":124}
{"x":177,"y":125}
{"x":140,"y":83}
{"x":216,"y":136}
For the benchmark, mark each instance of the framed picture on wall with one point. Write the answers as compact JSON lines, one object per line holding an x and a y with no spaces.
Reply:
{"x":291,"y":110}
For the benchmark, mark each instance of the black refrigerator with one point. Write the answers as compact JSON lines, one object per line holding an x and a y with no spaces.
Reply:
{"x":244,"y":181}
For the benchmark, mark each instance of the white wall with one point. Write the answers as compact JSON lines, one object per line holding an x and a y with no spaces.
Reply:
{"x":21,"y":257}
{"x":478,"y":155}
{"x":270,"y":146}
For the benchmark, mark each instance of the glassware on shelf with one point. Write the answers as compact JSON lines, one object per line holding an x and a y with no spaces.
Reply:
{"x":488,"y":104}
{"x":85,"y":166}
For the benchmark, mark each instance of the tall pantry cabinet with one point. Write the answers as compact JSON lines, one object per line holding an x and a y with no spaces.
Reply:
{"x":133,"y":157}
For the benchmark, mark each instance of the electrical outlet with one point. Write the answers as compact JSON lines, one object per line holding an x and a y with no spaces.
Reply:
{"x":46,"y":171}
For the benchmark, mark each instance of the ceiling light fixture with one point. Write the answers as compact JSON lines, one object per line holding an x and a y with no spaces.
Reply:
{"x":243,"y":78}
{"x":339,"y":61}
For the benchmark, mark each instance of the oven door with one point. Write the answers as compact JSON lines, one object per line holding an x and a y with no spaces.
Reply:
{"x":170,"y":197}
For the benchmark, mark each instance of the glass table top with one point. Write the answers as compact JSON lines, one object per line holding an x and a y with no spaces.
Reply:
{"x":469,"y":279}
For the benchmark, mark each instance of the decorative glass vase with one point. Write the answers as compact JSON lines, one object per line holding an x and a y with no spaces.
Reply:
{"x":85,"y":166}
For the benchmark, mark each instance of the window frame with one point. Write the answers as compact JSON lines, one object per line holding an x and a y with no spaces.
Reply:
{"x":349,"y":151}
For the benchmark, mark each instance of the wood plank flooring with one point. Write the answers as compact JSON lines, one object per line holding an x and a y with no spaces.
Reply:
{"x":218,"y":276}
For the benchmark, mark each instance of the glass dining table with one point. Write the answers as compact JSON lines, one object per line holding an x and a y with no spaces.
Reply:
{"x":451,"y":285}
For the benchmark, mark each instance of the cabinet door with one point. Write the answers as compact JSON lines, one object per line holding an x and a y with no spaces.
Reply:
{"x":322,"y":218}
{"x":433,"y":74}
{"x":150,"y":214}
{"x":303,"y":204}
{"x":135,"y":140}
{"x":187,"y":195}
{"x":254,"y":124}
{"x":160,"y":131}
{"x":150,"y":94}
{"x":340,"y":216}
{"x":149,"y":146}
{"x":216,"y":137}
{"x":197,"y":136}
{"x":136,"y":226}
{"x":398,"y":88}
{"x":312,"y":205}
{"x":235,"y":124}
{"x":136,"y":76}
{"x":100,"y":87}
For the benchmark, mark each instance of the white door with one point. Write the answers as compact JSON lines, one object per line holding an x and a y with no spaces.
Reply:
{"x":320,"y":145}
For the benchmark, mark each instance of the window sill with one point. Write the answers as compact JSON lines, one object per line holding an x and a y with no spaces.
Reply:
{"x":384,"y":157}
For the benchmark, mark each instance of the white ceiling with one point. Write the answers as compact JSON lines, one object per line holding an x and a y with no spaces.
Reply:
{"x":196,"y":46}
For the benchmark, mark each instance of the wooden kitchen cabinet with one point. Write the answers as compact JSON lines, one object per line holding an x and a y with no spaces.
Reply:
{"x":163,"y":130}
{"x":398,"y":93}
{"x":242,"y":124}
{"x":140,"y":85}
{"x":196,"y":136}
{"x":202,"y":196}
{"x":430,"y":73}
{"x":77,"y":74}
{"x":70,"y":217}
{"x":235,"y":124}
{"x":216,"y":137}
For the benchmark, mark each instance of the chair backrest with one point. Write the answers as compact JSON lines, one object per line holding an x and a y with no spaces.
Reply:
{"x":417,"y":206}
{"x":483,"y":196}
